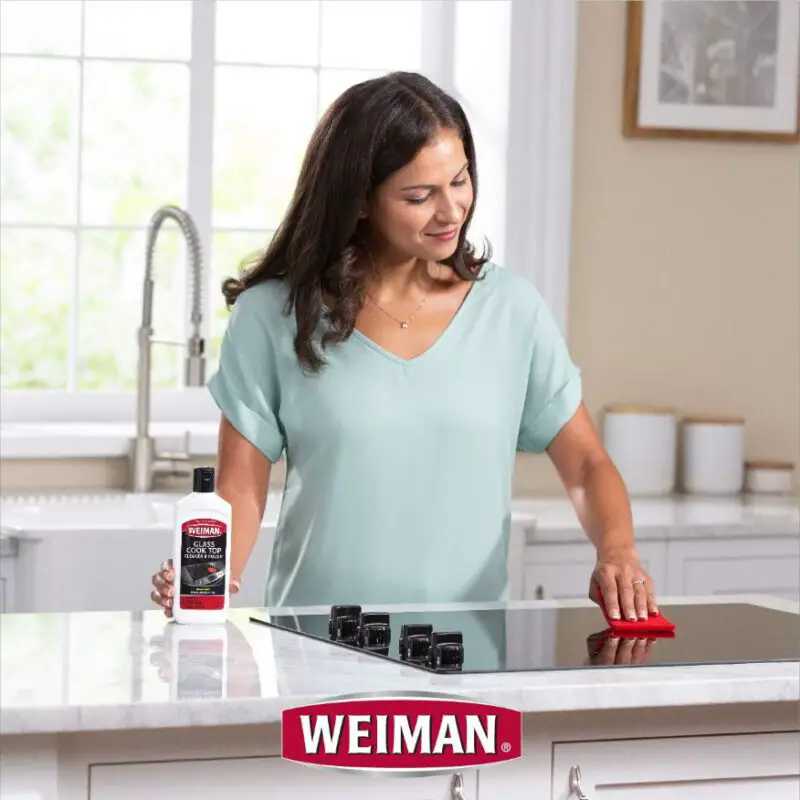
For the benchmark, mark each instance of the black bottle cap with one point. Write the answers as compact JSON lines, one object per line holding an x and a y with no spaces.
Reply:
{"x":203,"y":479}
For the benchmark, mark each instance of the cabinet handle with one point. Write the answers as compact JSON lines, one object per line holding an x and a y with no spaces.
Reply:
{"x":540,"y":592}
{"x":575,"y":787}
{"x":457,"y":787}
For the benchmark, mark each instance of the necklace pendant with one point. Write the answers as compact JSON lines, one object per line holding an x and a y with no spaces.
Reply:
{"x":404,"y":324}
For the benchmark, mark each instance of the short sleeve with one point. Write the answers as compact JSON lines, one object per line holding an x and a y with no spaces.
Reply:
{"x":554,"y":390}
{"x":245,"y":386}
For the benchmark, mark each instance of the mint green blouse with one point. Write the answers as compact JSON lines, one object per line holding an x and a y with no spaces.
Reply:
{"x":399,"y":471}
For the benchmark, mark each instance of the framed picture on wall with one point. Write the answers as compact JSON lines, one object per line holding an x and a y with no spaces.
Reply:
{"x":714,"y":69}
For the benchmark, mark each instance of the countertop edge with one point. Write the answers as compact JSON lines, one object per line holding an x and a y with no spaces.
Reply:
{"x":677,"y":531}
{"x":715,"y":689}
{"x":86,"y":441}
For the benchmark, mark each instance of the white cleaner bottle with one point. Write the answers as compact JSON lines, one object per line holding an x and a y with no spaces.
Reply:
{"x":201,"y":554}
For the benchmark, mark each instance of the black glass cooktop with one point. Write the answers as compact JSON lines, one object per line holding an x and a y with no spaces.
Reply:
{"x":530,"y":639}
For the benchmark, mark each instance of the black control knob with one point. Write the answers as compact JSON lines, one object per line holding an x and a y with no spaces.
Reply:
{"x":374,"y":631}
{"x":415,"y":642}
{"x":344,"y":623}
{"x":446,"y":652}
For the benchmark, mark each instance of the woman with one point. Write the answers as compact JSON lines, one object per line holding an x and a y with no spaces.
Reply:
{"x":400,"y":372}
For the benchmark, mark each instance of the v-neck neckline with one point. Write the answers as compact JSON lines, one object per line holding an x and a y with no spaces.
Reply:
{"x":441,"y":340}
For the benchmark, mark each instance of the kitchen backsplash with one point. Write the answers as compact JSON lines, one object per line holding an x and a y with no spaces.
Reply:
{"x":533,"y":475}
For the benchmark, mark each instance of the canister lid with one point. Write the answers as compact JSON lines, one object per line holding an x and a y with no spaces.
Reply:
{"x":766,"y":463}
{"x":712,"y":420}
{"x":635,"y":408}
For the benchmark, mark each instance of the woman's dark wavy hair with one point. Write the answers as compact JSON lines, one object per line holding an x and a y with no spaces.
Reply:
{"x":373,"y":129}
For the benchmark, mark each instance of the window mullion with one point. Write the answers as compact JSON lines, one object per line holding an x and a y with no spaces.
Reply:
{"x":318,"y":65}
{"x":439,"y":42}
{"x":539,"y":155}
{"x":199,"y":195}
{"x":74,"y":321}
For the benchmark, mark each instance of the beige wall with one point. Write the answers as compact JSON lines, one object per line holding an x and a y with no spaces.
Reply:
{"x":685,"y":279}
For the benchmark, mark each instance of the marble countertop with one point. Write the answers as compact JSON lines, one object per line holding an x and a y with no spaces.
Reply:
{"x":117,"y":670}
{"x":675,"y":517}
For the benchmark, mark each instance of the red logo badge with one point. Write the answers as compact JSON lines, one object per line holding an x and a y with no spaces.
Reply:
{"x":407,"y":732}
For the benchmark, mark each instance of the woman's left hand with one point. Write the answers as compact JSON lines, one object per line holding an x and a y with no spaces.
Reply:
{"x":626,"y":587}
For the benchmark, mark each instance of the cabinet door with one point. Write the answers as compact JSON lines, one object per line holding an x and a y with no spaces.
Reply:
{"x":769,"y":566}
{"x":247,"y":778}
{"x":737,"y":767}
{"x":7,"y":569}
{"x":562,"y":572}
{"x":91,"y":570}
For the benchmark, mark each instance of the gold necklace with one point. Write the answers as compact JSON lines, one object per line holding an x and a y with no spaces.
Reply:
{"x":404,"y":323}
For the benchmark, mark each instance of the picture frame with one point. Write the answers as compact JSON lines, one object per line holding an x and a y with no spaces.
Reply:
{"x":713,"y":69}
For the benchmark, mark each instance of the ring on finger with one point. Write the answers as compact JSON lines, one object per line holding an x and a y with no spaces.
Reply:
{"x":640,"y":581}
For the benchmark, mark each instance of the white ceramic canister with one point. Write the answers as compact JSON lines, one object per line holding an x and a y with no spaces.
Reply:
{"x":642,"y":443}
{"x":768,"y":477}
{"x":713,"y":455}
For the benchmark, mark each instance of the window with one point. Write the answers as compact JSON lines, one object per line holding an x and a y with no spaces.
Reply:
{"x":278,"y":66}
{"x":105,"y":110}
{"x":112,"y":108}
{"x":94,"y":99}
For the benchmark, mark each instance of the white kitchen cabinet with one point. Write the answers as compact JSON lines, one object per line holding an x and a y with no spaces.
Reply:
{"x":768,"y":566}
{"x":106,"y":570}
{"x":94,"y":570}
{"x":562,"y":571}
{"x":9,"y":553}
{"x":762,"y":565}
{"x":246,"y":778}
{"x":734,"y":767}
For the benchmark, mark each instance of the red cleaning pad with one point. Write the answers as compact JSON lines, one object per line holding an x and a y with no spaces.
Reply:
{"x":654,"y":623}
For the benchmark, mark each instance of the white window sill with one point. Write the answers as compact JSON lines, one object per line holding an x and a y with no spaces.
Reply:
{"x":45,"y":440}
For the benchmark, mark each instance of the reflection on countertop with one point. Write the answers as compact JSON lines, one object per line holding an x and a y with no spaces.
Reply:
{"x":130,"y":670}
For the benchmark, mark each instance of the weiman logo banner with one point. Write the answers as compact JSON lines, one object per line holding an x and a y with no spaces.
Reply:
{"x":401,"y":732}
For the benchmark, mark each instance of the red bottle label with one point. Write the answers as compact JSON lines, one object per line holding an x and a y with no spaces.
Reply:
{"x":202,"y":559}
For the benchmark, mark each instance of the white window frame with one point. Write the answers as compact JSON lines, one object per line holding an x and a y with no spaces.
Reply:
{"x":538,"y":180}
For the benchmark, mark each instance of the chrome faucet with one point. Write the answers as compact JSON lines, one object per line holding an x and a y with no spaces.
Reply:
{"x":145,"y":463}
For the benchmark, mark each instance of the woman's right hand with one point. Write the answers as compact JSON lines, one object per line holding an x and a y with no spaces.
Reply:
{"x":164,"y":583}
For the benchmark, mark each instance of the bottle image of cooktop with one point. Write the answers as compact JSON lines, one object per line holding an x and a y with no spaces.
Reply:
{"x":201,"y":554}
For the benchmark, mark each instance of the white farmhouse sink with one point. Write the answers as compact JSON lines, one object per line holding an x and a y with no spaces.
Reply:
{"x":108,"y":512}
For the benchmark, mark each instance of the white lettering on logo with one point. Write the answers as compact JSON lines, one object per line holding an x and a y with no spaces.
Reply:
{"x":402,"y":733}
{"x":357,"y":732}
{"x":322,"y":728}
{"x":487,"y":735}
{"x":449,"y":734}
{"x":383,"y":737}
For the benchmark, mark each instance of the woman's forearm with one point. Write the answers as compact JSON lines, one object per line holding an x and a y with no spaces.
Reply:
{"x":603,"y":508}
{"x":247,"y":508}
{"x":600,"y":500}
{"x":243,"y":475}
